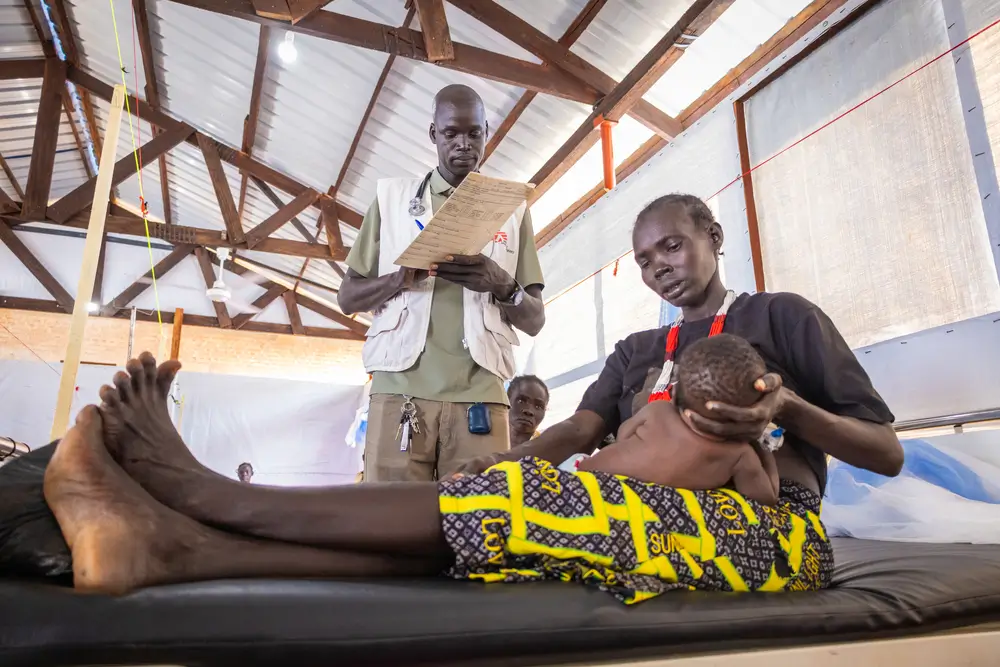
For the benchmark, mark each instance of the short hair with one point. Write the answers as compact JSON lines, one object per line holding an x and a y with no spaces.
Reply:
{"x":522,"y":379}
{"x":721,"y":368}
{"x":454,"y":92}
{"x":242,"y":466}
{"x":695,"y":208}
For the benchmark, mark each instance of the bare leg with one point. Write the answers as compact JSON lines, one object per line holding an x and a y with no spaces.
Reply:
{"x":122,"y":539}
{"x":390,"y":518}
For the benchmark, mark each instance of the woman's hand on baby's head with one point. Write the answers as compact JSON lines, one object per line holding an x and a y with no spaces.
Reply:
{"x":737,"y":423}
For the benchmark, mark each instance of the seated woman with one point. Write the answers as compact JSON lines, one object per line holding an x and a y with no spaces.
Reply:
{"x":153,"y":516}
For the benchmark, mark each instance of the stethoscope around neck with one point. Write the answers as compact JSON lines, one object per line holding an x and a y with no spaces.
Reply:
{"x":417,"y":206}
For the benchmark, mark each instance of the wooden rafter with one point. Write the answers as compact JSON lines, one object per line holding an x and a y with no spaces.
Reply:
{"x":573,"y":33}
{"x":273,"y":197}
{"x":287,"y":10}
{"x":434,"y":26}
{"x":629,"y":90}
{"x":61,"y":20}
{"x":48,"y":48}
{"x":43,"y":151}
{"x":794,"y":30}
{"x":43,"y":306}
{"x":133,"y":225}
{"x":549,"y":50}
{"x":11,"y":177}
{"x":230,"y":155}
{"x":281,"y":217}
{"x":294,"y":317}
{"x":329,"y":218}
{"x":41,"y":274}
{"x":410,"y":44}
{"x":331,"y":314}
{"x":98,"y":294}
{"x":141,"y":284}
{"x":220,"y":184}
{"x":22,"y":68}
{"x":250,"y":125}
{"x":205,"y":264}
{"x":273,"y":291}
{"x":152,"y":93}
{"x":8,"y":205}
{"x":77,"y":200}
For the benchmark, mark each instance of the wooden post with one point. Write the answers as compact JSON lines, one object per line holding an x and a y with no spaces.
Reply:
{"x":175,"y":340}
{"x":88,"y":269}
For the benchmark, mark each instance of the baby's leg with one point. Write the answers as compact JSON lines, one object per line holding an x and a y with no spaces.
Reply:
{"x":754,"y":478}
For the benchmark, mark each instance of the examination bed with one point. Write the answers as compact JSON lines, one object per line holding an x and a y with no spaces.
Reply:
{"x":882,"y":590}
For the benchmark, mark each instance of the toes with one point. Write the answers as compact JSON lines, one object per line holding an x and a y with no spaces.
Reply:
{"x":89,"y":420}
{"x":123,"y":381}
{"x":148,"y":362}
{"x":165,"y":375}
{"x":110,"y":398}
{"x":137,"y":372}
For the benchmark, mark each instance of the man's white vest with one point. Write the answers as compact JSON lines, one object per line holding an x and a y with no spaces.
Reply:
{"x":398,"y":332}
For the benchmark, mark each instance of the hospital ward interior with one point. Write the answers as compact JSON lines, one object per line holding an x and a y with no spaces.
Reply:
{"x":577,"y":333}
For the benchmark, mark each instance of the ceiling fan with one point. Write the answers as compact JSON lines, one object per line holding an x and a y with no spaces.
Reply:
{"x":220,"y":292}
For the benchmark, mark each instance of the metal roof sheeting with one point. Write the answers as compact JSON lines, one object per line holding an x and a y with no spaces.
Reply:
{"x":311,"y":108}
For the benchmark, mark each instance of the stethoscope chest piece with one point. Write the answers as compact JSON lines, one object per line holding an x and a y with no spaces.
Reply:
{"x":417,"y":207}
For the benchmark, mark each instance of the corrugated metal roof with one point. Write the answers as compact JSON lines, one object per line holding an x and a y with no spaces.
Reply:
{"x":311,"y":108}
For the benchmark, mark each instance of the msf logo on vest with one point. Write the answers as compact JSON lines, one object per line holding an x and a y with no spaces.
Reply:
{"x":500,"y":238}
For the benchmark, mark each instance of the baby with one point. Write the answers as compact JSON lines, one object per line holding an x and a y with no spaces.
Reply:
{"x":721,"y":368}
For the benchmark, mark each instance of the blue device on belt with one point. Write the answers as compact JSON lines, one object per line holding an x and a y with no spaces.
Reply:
{"x":479,"y":419}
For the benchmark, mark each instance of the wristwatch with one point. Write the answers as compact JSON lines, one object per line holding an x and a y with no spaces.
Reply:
{"x":515,"y":299}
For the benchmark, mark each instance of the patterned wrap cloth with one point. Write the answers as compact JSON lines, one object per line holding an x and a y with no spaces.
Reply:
{"x":527,"y":520}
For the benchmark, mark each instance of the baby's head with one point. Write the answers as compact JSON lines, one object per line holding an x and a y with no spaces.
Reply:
{"x":720,"y":368}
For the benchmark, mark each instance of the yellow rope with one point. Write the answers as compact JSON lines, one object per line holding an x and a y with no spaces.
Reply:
{"x":138,"y":167}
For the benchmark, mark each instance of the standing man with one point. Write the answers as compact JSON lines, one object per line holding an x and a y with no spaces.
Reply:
{"x":440,"y":344}
{"x":529,"y":399}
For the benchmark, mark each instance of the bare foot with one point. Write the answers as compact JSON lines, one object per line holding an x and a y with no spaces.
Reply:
{"x":140,"y":435}
{"x":120,"y":538}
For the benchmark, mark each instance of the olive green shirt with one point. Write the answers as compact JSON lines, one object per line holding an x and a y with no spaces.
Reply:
{"x":445,"y":371}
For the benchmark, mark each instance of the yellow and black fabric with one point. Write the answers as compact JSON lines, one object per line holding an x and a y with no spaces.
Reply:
{"x":527,"y":520}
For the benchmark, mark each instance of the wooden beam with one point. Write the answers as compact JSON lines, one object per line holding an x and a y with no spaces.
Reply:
{"x":329,"y":217}
{"x":763,"y":56}
{"x":273,"y":291}
{"x":250,"y":125}
{"x":227,"y":154}
{"x":331,"y":314}
{"x":549,"y":50}
{"x":77,"y":200}
{"x":300,"y":9}
{"x":88,"y":269}
{"x":205,"y":264}
{"x":97,"y":296}
{"x":60,"y":17}
{"x":410,"y":44}
{"x":379,"y":84}
{"x":43,"y":151}
{"x":573,"y":33}
{"x":67,"y":106}
{"x":294,"y":317}
{"x":434,"y":26}
{"x":35,"y":267}
{"x":22,"y":68}
{"x":746,"y":176}
{"x":11,"y":177}
{"x":42,"y":306}
{"x":276,"y":200}
{"x":134,"y":226}
{"x":8,"y":205}
{"x":699,"y":16}
{"x":141,"y":14}
{"x":141,"y":284}
{"x":272,"y":9}
{"x":281,"y":217}
{"x":175,"y":334}
{"x":220,"y":183}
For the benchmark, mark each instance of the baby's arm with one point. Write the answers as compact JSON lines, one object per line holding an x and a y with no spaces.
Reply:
{"x":756,"y":475}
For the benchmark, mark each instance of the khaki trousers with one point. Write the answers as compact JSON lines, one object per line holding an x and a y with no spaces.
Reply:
{"x":443,"y":444}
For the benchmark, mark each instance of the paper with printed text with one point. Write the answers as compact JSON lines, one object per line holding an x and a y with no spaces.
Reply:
{"x":471,"y":218}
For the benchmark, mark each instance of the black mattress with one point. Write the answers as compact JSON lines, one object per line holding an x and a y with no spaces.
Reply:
{"x":881,"y":589}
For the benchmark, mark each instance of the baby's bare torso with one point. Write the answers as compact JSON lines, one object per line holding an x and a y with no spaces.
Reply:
{"x":657,"y":446}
